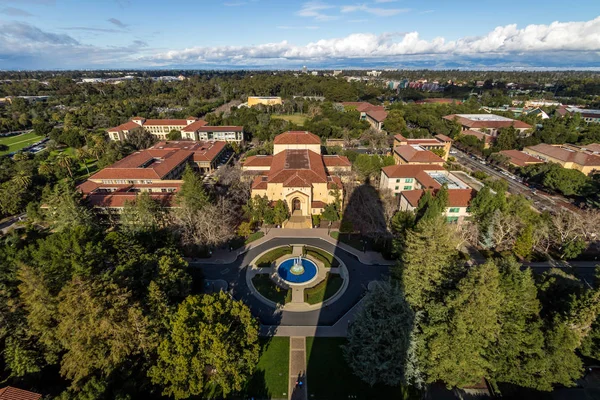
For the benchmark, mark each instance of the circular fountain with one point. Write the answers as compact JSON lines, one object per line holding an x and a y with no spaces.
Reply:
{"x":297,"y":270}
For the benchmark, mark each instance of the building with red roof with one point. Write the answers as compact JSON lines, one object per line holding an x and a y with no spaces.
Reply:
{"x":414,"y":154}
{"x":374,"y":115}
{"x":156,"y":170}
{"x":191,"y":128}
{"x":439,"y":142}
{"x":458,"y":202}
{"x":297,"y":173}
{"x":520,"y":159}
{"x":487,"y":123}
{"x":13,"y":393}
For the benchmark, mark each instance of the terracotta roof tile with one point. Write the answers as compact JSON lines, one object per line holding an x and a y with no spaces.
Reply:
{"x":409,"y":170}
{"x":127,"y":126}
{"x":560,"y":153}
{"x":12,"y":393}
{"x":258,"y":161}
{"x":456,"y":197}
{"x":479,"y":135}
{"x":486,"y":124}
{"x":410,"y":154}
{"x":318,"y":204}
{"x":119,"y":199}
{"x":377,"y":115}
{"x":443,"y":138}
{"x":519,"y":158}
{"x":297,"y":137}
{"x":194,"y":126}
{"x":336,"y":161}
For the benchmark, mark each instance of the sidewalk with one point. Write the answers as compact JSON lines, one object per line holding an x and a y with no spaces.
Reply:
{"x":223,"y":256}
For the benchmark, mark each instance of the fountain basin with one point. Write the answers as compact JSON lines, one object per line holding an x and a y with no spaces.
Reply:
{"x":289,"y":270}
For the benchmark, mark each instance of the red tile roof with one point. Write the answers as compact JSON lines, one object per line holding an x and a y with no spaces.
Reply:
{"x":443,"y":138}
{"x":377,"y":115}
{"x":305,"y":163}
{"x":145,"y":164}
{"x":194,"y":126}
{"x":297,"y":137}
{"x":12,"y":393}
{"x":487,"y":124}
{"x":409,"y":170}
{"x":258,"y":161}
{"x":119,"y":199}
{"x":203,"y":151}
{"x":410,"y":154}
{"x":560,"y":153}
{"x":127,"y":126}
{"x":519,"y":158}
{"x":296,"y":181}
{"x":456,"y":197}
{"x":334,"y":182}
{"x":260,"y":183}
{"x":318,"y":204}
{"x":336,"y":161}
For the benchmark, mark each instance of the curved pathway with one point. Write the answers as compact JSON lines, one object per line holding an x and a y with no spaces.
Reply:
{"x":234,"y":273}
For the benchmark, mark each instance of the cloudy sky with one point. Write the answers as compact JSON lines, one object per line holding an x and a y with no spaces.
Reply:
{"x":69,"y":34}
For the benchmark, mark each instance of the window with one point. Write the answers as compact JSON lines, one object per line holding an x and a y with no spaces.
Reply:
{"x":454,"y":210}
{"x":396,"y":194}
{"x":452,"y":220}
{"x":397,"y":187}
{"x":407,"y":187}
{"x":408,"y":180}
{"x":397,"y":180}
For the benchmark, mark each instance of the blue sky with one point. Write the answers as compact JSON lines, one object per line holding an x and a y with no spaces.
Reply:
{"x":48,"y":34}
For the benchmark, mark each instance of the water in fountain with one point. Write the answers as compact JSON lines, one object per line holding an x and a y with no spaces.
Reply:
{"x":297,"y":268}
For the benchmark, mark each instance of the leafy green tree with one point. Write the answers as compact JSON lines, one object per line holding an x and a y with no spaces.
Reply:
{"x":380,"y":337}
{"x":566,"y":181}
{"x":99,"y":328}
{"x":174,"y":135}
{"x":394,"y":123}
{"x":458,"y":338}
{"x":144,"y":214}
{"x":281,"y":212}
{"x":213,"y":341}
{"x":524,"y":243}
{"x":192,"y":194}
{"x":428,"y":261}
{"x":64,"y":207}
{"x":256,"y":208}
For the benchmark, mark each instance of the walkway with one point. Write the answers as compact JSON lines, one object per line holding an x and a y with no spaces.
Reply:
{"x":224,"y":256}
{"x":297,"y":369}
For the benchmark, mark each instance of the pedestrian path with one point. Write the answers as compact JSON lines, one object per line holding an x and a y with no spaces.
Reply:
{"x":224,"y":256}
{"x":297,"y":385}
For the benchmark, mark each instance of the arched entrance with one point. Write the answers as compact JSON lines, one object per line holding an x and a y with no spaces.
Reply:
{"x":296,"y":206}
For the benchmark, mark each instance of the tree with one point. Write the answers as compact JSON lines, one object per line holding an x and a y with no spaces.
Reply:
{"x":566,"y":181}
{"x":64,"y":160}
{"x":380,"y":337}
{"x":213,"y":341}
{"x":144,"y":214}
{"x":281,"y":212}
{"x":256,"y":208}
{"x":174,"y":135}
{"x":524,"y":242}
{"x":394,"y":123}
{"x":427,"y":262}
{"x":140,"y":139}
{"x":192,"y":194}
{"x":457,"y":339}
{"x":245,"y":229}
{"x":64,"y":208}
{"x":99,"y":328}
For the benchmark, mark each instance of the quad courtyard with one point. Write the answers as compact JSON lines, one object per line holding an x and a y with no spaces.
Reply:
{"x":305,"y":288}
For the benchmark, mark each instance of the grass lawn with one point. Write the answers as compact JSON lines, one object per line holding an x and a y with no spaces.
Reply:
{"x":16,"y":143}
{"x":265,"y":286}
{"x":297,"y":119}
{"x":326,"y":258}
{"x":324,"y":289}
{"x":266,"y":259}
{"x":270,"y":380}
{"x":329,"y":377}
{"x":254,"y":236}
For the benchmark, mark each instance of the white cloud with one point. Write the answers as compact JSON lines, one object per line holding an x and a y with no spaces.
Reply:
{"x":504,"y":40}
{"x":117,"y":22}
{"x":15,"y":12}
{"x":380,"y":12}
{"x":315,"y":9}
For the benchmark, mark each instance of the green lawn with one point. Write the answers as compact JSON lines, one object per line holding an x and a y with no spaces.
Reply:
{"x":270,"y":380}
{"x":15,"y":143}
{"x":266,"y":259}
{"x":330,"y":378}
{"x":297,"y":119}
{"x":324,"y":289}
{"x":265,"y":286}
{"x":326,"y":258}
{"x":254,"y":236}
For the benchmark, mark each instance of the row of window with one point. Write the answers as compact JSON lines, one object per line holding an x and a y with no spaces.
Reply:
{"x":405,"y":188}
{"x":406,"y":180}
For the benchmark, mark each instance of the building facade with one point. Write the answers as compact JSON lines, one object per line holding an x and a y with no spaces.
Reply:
{"x":582,"y":158}
{"x":191,"y":128}
{"x":297,"y":173}
{"x":487,"y":123}
{"x":439,"y":142}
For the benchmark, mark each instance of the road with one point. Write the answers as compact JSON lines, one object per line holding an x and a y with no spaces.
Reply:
{"x":541,"y":201}
{"x":235,"y":274}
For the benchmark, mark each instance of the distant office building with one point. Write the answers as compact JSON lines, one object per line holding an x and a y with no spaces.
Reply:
{"x":588,"y":115}
{"x":582,"y":158}
{"x":337,"y":72}
{"x":439,"y":142}
{"x":373,"y":73}
{"x":487,"y":123}
{"x":374,"y":115}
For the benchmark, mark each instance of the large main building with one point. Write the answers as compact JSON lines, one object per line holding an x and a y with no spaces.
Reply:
{"x":297,"y":173}
{"x":191,"y":128}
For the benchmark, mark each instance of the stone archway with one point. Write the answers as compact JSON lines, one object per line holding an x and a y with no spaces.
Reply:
{"x":296,"y":206}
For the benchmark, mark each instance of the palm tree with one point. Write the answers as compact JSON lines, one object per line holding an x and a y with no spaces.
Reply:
{"x":21,"y":156}
{"x":45,"y":168}
{"x":98,"y":147}
{"x":21,"y":179}
{"x":64,"y":160}
{"x":82,"y":155}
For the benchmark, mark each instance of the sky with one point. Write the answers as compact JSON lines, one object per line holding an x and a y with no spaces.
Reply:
{"x":287,"y":34}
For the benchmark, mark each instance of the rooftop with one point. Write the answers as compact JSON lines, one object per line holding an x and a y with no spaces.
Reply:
{"x":519,"y":158}
{"x":297,"y":137}
{"x":565,"y":155}
{"x":413,"y":153}
{"x":486,"y":121}
{"x":409,"y":170}
{"x":13,"y":393}
{"x":456,"y":197}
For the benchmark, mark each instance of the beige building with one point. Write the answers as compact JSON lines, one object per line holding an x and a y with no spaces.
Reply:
{"x":264,"y":100}
{"x":439,"y":142}
{"x":582,"y":158}
{"x":297,"y":173}
{"x":413,"y":154}
{"x":487,"y":123}
{"x":191,"y":128}
{"x":458,"y":203}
